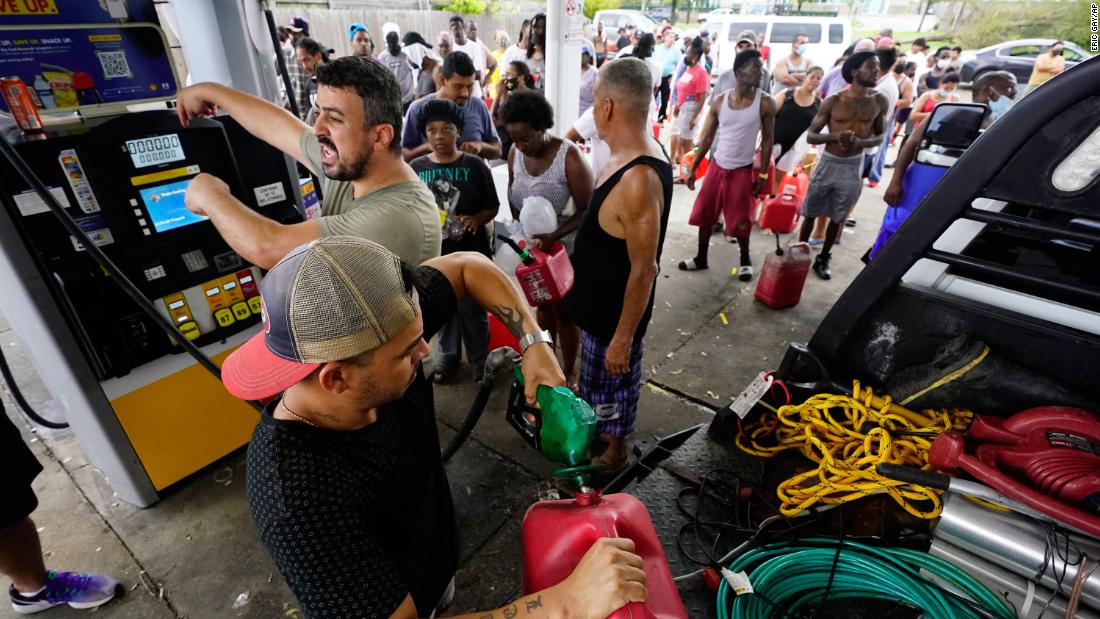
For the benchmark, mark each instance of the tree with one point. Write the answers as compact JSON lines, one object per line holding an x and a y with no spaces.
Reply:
{"x":465,"y":7}
{"x":989,"y":23}
{"x":591,"y":6}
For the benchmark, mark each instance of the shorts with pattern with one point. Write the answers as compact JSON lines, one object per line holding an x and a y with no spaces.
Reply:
{"x":613,"y":397}
{"x":835,"y":186}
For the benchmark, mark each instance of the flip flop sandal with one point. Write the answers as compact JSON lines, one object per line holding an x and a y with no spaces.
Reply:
{"x":744,"y":272}
{"x":691,"y":265}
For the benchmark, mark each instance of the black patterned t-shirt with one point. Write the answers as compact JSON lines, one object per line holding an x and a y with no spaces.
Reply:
{"x":358,"y":520}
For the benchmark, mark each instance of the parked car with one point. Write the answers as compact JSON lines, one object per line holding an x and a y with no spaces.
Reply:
{"x":613,"y":19}
{"x":828,"y":36}
{"x":1016,"y":57}
{"x":661,"y":12}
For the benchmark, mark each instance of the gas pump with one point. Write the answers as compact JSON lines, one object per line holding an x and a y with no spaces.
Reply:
{"x":146,"y":414}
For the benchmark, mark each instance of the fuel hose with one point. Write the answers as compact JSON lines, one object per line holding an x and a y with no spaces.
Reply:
{"x":793,"y":577}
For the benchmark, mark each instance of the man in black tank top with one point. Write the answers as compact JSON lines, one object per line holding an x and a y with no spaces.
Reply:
{"x":617,"y":251}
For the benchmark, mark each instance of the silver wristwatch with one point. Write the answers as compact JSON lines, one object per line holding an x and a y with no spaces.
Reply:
{"x":534,"y":338}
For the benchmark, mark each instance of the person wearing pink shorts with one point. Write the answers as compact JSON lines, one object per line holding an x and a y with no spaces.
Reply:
{"x":735,"y":119}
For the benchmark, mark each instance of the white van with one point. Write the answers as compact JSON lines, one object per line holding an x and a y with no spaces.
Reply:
{"x":828,"y":36}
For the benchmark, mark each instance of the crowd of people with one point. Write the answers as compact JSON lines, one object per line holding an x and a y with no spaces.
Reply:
{"x":345,"y":479}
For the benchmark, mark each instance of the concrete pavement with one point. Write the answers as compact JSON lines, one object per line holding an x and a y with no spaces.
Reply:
{"x":196,"y":553}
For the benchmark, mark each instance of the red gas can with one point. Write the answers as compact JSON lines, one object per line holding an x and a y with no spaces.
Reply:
{"x":556,"y":534}
{"x":780,"y":214}
{"x":783,"y":276}
{"x":547,"y":277}
{"x":686,"y":162}
{"x":794,"y":183}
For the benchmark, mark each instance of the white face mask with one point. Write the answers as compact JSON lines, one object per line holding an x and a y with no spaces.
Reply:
{"x":943,"y":63}
{"x":943,"y":93}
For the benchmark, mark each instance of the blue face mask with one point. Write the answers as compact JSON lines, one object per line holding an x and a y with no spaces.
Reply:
{"x":801,"y":49}
{"x":1000,"y":106}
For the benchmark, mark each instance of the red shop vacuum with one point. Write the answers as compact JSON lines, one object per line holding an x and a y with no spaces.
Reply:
{"x":1047,"y":458}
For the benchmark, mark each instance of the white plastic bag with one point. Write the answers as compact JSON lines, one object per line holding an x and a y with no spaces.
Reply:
{"x":537,"y":216}
{"x":505,"y":257}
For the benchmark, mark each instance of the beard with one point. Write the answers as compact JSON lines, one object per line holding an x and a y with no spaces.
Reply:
{"x":341,"y":170}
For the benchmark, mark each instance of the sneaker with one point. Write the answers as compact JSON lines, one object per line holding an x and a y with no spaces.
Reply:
{"x":77,"y":589}
{"x":872,"y":184}
{"x":821,"y":266}
{"x":816,"y":242}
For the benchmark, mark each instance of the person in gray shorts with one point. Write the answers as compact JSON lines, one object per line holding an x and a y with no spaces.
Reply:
{"x":835,"y":186}
{"x":854,"y":118}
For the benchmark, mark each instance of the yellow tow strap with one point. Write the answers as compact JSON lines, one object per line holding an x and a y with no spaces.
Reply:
{"x":847,"y":436}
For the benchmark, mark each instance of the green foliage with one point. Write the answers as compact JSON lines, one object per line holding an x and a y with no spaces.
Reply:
{"x":465,"y":7}
{"x":591,"y":6}
{"x":988,"y":23}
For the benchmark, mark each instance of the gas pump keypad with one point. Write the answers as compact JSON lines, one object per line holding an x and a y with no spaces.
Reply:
{"x":172,"y":255}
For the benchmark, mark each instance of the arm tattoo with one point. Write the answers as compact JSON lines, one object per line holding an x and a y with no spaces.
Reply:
{"x":510,"y":318}
{"x":510,"y":611}
{"x":533,"y":604}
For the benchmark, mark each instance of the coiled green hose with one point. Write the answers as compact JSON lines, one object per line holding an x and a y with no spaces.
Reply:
{"x":793,"y":576}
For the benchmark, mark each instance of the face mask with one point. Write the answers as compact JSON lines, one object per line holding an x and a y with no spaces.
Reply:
{"x":943,"y":93}
{"x":1000,"y":106}
{"x":1058,"y":52}
{"x":511,"y":83}
{"x":801,"y":50}
{"x":943,"y":63}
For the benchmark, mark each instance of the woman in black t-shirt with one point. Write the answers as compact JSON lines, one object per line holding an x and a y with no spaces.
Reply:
{"x":467,"y":200}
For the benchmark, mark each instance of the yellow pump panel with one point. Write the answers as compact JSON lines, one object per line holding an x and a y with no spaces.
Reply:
{"x":183,"y":422}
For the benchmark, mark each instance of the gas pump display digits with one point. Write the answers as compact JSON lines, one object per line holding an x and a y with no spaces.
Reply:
{"x":155,"y":150}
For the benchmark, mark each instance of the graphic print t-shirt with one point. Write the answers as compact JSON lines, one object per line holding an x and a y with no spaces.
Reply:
{"x":462,"y":187}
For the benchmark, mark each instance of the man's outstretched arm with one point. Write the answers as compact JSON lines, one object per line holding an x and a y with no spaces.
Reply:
{"x":261,"y":118}
{"x":257,"y":239}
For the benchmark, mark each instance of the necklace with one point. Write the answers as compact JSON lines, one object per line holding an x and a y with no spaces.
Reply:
{"x":296,"y":415}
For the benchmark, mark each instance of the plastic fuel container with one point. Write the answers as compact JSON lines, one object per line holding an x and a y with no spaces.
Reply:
{"x":783,"y":276}
{"x":556,"y":534}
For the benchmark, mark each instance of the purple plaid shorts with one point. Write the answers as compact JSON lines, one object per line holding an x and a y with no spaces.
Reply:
{"x":614,"y":398}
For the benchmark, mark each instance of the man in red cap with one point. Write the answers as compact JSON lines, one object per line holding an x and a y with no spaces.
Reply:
{"x":345,"y":478}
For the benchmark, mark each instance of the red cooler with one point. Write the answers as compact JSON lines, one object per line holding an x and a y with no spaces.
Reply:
{"x":556,"y":534}
{"x":783,"y":276}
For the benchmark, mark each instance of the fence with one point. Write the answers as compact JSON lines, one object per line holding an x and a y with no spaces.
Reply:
{"x":330,"y":26}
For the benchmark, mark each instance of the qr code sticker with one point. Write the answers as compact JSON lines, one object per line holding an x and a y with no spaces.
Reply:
{"x":114,"y":64}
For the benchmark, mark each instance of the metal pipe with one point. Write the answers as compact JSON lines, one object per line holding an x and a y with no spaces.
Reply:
{"x":985,"y":267}
{"x":1020,"y":223}
{"x":1012,"y":587}
{"x":1020,"y":545}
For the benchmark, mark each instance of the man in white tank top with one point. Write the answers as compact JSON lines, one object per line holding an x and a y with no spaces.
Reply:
{"x":734,"y":121}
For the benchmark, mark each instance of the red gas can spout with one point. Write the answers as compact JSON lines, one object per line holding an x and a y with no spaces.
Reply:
{"x":587,"y":497}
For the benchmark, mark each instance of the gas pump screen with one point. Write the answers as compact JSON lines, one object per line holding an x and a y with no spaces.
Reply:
{"x":166,"y":208}
{"x":153,"y":150}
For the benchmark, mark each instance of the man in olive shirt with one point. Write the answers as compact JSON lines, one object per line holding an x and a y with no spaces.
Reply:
{"x":354,"y":146}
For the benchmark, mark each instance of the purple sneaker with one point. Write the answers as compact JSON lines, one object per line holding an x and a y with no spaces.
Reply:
{"x":77,"y":589}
